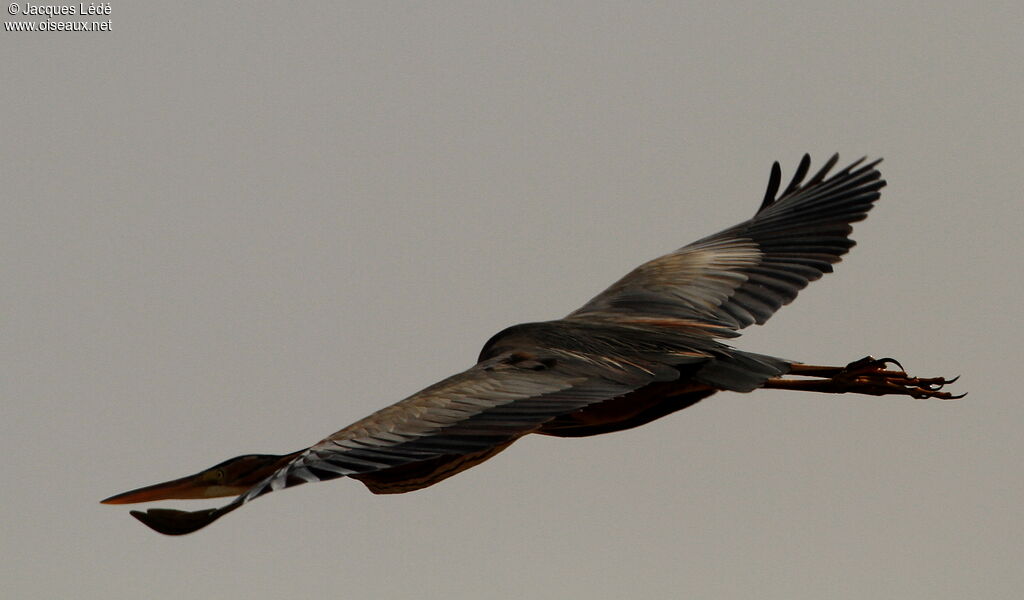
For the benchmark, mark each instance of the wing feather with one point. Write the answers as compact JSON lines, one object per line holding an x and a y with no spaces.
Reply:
{"x":491,"y":404}
{"x":742,"y":275}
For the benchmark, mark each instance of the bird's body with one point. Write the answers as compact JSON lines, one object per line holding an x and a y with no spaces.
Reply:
{"x":644,"y":348}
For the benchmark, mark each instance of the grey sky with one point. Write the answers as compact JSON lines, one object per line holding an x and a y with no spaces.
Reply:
{"x":229,"y":230}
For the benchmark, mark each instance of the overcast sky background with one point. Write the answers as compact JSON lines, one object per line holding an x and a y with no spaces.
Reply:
{"x":228,"y":229}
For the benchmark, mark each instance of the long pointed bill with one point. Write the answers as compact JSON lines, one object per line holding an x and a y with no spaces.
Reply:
{"x":229,"y":478}
{"x":185,"y":488}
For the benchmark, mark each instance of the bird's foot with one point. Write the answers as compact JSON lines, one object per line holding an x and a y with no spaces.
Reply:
{"x":869,"y":375}
{"x":873,"y":376}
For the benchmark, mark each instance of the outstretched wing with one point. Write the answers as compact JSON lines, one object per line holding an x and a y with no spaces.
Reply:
{"x":472,"y":414}
{"x":485,"y":407}
{"x":743,"y":274}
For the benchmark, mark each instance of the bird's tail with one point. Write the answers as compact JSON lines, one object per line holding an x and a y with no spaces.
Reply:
{"x":740,"y":371}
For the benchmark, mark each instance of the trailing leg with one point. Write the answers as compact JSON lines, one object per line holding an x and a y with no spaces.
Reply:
{"x":865,"y":376}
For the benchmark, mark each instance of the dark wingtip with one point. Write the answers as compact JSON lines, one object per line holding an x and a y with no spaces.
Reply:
{"x":823,"y":171}
{"x":179,"y":522}
{"x":798,"y":176}
{"x":773,"y":186}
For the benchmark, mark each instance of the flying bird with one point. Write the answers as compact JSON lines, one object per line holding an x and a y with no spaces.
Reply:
{"x":646,"y":347}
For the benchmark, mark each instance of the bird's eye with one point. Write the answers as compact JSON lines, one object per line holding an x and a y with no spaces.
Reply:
{"x":214,"y":475}
{"x":523,"y":360}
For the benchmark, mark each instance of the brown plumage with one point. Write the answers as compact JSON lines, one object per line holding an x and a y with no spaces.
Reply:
{"x":644,"y":348}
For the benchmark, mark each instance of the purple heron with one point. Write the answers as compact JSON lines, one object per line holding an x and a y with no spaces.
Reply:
{"x":642,"y":349}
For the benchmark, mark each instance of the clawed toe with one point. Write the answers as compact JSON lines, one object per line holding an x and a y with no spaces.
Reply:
{"x":931,"y":387}
{"x":870,"y":364}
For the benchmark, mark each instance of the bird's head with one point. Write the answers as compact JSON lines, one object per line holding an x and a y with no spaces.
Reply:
{"x":229,"y":478}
